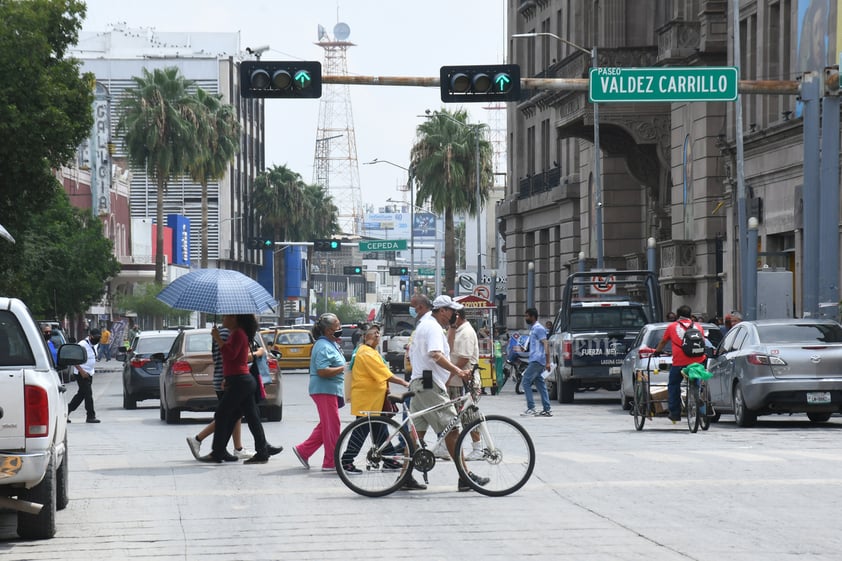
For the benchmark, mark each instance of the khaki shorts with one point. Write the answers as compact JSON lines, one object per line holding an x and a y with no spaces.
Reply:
{"x":423,"y":399}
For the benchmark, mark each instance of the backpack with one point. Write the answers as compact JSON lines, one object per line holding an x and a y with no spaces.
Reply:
{"x":693,"y":342}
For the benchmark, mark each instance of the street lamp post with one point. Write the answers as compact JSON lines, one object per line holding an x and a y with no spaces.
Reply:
{"x":411,"y":216}
{"x":596,"y":160}
{"x":476,"y":128}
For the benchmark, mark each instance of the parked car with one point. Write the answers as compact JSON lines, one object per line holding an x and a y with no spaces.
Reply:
{"x":347,"y":338}
{"x":34,"y":473}
{"x":295,"y":346}
{"x":640,"y":353}
{"x":779,"y":366}
{"x":143,"y":364}
{"x":58,"y":339}
{"x":186,"y":383}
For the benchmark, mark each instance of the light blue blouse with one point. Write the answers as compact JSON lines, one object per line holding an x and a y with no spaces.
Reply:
{"x":326,"y":355}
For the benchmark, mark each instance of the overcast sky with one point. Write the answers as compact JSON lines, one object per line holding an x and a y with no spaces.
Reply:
{"x":393,"y":38}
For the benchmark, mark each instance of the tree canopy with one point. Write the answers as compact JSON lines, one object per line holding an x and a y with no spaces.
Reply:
{"x":61,"y":260}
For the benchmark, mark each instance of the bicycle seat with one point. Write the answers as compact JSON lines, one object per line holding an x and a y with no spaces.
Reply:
{"x":400,"y":398}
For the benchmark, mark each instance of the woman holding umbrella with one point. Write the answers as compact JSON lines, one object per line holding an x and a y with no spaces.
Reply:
{"x":239,"y":388}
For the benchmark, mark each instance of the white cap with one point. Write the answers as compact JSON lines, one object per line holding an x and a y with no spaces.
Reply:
{"x":446,"y":302}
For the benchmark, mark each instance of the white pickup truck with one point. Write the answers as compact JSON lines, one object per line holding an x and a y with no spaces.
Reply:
{"x":33,"y":422}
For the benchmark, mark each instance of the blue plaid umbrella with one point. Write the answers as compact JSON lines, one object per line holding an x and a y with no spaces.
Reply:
{"x":217,"y":291}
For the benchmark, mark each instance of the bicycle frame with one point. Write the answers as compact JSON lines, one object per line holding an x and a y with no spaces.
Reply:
{"x":407,"y":425}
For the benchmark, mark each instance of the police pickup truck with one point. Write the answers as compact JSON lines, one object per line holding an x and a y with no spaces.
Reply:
{"x":600,"y":315}
{"x":33,"y":422}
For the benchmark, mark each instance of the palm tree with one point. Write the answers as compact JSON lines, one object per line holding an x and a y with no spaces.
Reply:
{"x":159,"y":120}
{"x":292,"y":211}
{"x":443,"y":160}
{"x":219,"y":144}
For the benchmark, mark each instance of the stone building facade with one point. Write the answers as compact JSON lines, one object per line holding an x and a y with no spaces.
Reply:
{"x":668,"y":169}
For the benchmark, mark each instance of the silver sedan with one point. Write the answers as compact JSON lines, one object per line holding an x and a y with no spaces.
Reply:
{"x":779,"y":366}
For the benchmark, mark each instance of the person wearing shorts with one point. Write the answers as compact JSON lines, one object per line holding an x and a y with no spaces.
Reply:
{"x":431,"y":368}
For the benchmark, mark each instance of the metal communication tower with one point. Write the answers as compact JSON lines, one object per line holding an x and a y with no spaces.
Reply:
{"x":335,"y":166}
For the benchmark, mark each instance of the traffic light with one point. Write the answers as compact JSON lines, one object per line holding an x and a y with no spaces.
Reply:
{"x":284,"y":79}
{"x":352,"y":270}
{"x":327,"y":245}
{"x":480,"y":83}
{"x":398,"y":271}
{"x":259,"y":243}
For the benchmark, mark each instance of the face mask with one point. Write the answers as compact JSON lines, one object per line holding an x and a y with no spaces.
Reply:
{"x":95,"y":340}
{"x":530,"y":321}
{"x":46,"y":336}
{"x":412,"y":312}
{"x":337,"y":333}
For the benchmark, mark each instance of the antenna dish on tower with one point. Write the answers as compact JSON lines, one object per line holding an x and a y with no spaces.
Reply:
{"x":322,"y":32}
{"x":341,"y":31}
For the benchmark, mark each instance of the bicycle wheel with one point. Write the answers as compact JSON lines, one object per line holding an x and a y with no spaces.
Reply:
{"x":508,"y":456}
{"x":693,"y":406}
{"x":641,"y":404}
{"x":705,"y":409}
{"x":373,"y":458}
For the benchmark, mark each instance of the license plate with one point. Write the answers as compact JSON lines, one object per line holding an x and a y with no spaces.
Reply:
{"x":614,"y":371}
{"x":818,"y":397}
{"x":294,"y":349}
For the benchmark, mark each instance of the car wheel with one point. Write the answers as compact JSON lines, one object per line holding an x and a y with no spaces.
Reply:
{"x":818,"y":417}
{"x":744,"y":416}
{"x":128,"y":401}
{"x":625,"y":401}
{"x":62,"y":480}
{"x":163,"y":412}
{"x":43,"y":524}
{"x":172,"y":416}
{"x":566,"y":392}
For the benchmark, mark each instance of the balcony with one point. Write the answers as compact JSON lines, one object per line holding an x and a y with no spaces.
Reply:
{"x":540,"y":183}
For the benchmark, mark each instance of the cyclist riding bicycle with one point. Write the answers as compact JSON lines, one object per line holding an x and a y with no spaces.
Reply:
{"x":675,"y":333}
{"x":431,"y":369}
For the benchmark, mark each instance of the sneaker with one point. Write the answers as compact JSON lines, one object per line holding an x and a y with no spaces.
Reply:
{"x":195,"y":445}
{"x":478,"y":479}
{"x":258,"y":459}
{"x":333,"y":469}
{"x":351,"y":469}
{"x":675,"y":419}
{"x":413,"y":484}
{"x":528,"y":413}
{"x":243,"y":453}
{"x":545,"y":413}
{"x":476,"y":454}
{"x":92,"y":420}
{"x":441,"y":453}
{"x":301,"y":458}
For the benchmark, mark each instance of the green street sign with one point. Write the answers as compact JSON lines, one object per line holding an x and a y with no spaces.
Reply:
{"x":427,"y":271}
{"x":383,"y":245}
{"x":674,"y":84}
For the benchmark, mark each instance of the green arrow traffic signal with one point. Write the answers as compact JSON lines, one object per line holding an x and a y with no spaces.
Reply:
{"x":502,"y":82}
{"x":480,"y":83}
{"x":280,"y":79}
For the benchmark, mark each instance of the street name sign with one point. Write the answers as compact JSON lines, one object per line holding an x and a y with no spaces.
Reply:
{"x":383,"y":245}
{"x":673,"y":84}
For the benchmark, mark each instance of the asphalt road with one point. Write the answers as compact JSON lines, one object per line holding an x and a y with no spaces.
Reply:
{"x":600,"y":490}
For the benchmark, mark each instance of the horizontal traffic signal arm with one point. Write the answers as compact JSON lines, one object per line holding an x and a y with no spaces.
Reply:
{"x":352,"y":270}
{"x":779,"y":87}
{"x":327,"y":245}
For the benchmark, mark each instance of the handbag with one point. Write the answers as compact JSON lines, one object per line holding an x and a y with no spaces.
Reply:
{"x":389,"y":408}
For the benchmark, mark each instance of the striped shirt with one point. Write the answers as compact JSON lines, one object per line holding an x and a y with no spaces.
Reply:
{"x":217,"y":358}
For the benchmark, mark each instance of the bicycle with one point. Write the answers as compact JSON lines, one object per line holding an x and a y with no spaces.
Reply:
{"x":385,"y":452}
{"x":695,"y":400}
{"x":514,"y":370}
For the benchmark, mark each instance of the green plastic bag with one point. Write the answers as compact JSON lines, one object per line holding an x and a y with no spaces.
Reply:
{"x":696,"y":371}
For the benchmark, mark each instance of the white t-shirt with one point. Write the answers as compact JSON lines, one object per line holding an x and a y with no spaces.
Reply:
{"x":429,"y":337}
{"x":465,"y":345}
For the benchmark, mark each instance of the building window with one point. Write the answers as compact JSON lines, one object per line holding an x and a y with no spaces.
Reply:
{"x":687,"y":173}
